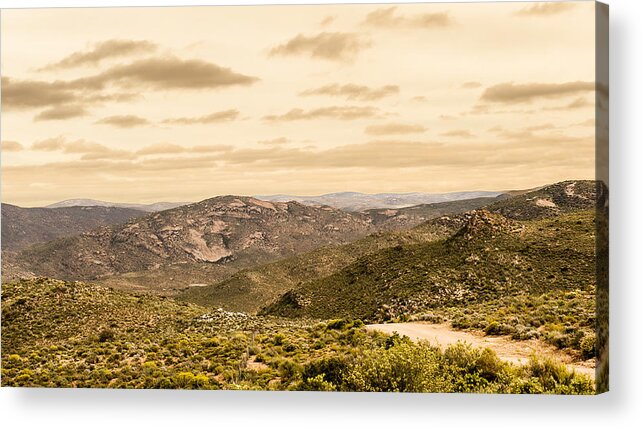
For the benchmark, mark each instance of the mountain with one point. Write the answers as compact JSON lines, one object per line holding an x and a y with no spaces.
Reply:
{"x":216,"y":236}
{"x":550,"y":201}
{"x":258,"y":286}
{"x":250,"y":289}
{"x":22,"y":227}
{"x":404,"y":218}
{"x":157,"y":206}
{"x":354,"y":201}
{"x":493,"y":270}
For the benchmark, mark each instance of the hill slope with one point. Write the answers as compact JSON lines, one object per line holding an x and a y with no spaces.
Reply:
{"x":61,"y":334}
{"x":549,"y":201}
{"x":22,"y":227}
{"x":220,"y":234}
{"x":404,"y":218}
{"x":490,"y":258}
{"x":255,"y":287}
{"x":252,"y":288}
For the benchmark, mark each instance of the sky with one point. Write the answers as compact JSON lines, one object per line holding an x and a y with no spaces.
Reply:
{"x":186,"y":103}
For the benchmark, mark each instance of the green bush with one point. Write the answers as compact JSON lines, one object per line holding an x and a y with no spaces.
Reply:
{"x":338,"y":324}
{"x":106,"y":335}
{"x":404,"y":367}
{"x":587,"y":345}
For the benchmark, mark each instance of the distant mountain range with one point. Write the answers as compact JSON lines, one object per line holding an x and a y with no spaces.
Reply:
{"x":201,"y":244}
{"x":156,"y":206}
{"x":197,"y":241}
{"x":355,"y":201}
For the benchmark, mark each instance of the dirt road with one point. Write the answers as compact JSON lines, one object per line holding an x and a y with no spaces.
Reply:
{"x":514,"y":351}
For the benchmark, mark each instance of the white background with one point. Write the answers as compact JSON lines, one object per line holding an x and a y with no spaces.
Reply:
{"x":620,"y":407}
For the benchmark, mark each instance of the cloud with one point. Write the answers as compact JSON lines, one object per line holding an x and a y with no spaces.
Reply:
{"x":94,"y":151}
{"x":216,"y":117}
{"x":32,"y":94}
{"x":419,"y":99}
{"x":542,"y":127}
{"x":471,"y":85}
{"x":101,"y":51}
{"x":167,"y":148}
{"x":327,"y":46}
{"x":460,"y":133}
{"x":11,"y":146}
{"x":274,"y":142}
{"x":394,"y":128}
{"x":577,"y":103}
{"x":166,"y":73}
{"x":545,"y":9}
{"x":327,"y":20}
{"x":588,"y":122}
{"x":61,"y":113}
{"x":161,"y":148}
{"x":510,"y":93}
{"x":386,"y":18}
{"x":163,"y":73}
{"x":334,"y":112}
{"x":25,"y":94}
{"x":353,"y":92}
{"x":523,"y":149}
{"x":123,"y":121}
{"x":49,"y":145}
{"x":556,"y":150}
{"x":87,"y":150}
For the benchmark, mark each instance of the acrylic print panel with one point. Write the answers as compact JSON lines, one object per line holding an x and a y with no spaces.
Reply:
{"x":336,"y":198}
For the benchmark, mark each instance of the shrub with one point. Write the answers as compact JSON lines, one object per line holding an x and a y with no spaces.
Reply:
{"x":185,"y":380}
{"x":316,"y":383}
{"x":587,"y":345}
{"x":106,"y":335}
{"x":405,"y":367}
{"x":278,"y":339}
{"x":338,"y":324}
{"x":331,"y":369}
{"x":289,"y":370}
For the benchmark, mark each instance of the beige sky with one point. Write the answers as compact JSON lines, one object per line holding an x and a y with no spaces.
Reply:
{"x":182,"y":104}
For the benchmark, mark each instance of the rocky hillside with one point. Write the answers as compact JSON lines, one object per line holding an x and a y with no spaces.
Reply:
{"x":403,"y":218}
{"x":22,"y":227}
{"x":490,"y":258}
{"x":226,"y":232}
{"x":258,"y":286}
{"x":255,"y":287}
{"x":549,"y":201}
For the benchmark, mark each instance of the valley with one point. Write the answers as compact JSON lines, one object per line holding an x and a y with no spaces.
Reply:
{"x":238,"y":292}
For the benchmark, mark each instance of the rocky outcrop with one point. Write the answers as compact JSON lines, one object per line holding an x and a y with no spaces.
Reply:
{"x":227,"y":229}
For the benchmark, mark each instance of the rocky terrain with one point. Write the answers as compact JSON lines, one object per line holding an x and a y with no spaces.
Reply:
{"x":218,"y":234}
{"x":22,"y":227}
{"x":257,"y":286}
{"x":404,"y":218}
{"x":250,"y":289}
{"x":529,"y":279}
{"x":550,"y":201}
{"x":274,"y":295}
